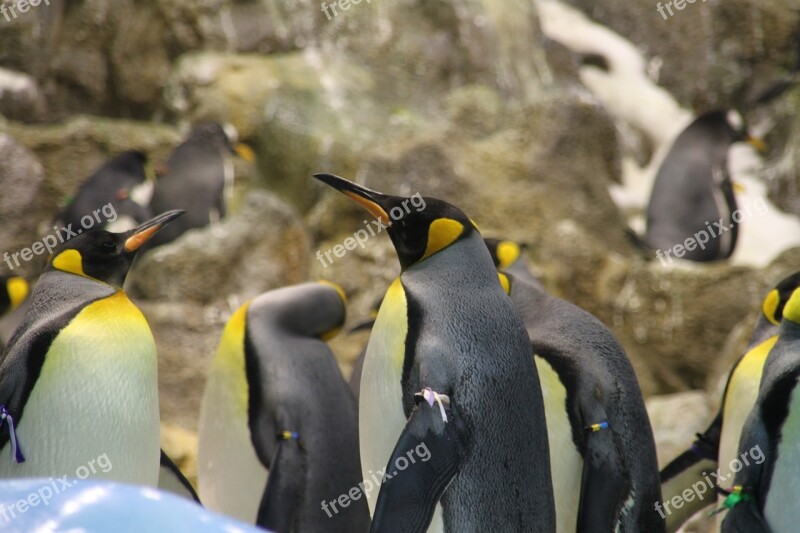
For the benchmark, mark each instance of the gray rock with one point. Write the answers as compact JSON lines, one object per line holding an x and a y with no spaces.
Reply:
{"x":23,"y":183}
{"x":715,"y":53}
{"x":674,"y":434}
{"x":262,"y":245}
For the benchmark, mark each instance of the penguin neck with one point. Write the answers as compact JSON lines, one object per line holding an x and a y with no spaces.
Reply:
{"x":763,"y":330}
{"x":468,"y":258}
{"x":785,"y":356}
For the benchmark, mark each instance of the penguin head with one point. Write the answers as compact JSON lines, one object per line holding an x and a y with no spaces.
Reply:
{"x":419,"y":227}
{"x":222,"y":138}
{"x":103,"y":255}
{"x":776,"y":300}
{"x":723,"y":128}
{"x":504,"y":252}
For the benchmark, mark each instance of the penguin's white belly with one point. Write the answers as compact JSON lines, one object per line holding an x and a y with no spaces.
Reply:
{"x":739,"y":402}
{"x":781,"y":510}
{"x":231,"y":478}
{"x":566,"y":463}
{"x":381,"y":419}
{"x":93,"y":411}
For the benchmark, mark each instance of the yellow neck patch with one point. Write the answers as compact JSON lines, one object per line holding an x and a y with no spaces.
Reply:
{"x":335,"y":286}
{"x":770,"y":305}
{"x":17,"y":291}
{"x":507,"y":253}
{"x":442,"y":233}
{"x":792,"y":309}
{"x":69,"y":261}
{"x":504,"y":282}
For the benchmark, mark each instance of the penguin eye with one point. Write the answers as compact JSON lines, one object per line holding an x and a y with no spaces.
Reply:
{"x":108,"y":246}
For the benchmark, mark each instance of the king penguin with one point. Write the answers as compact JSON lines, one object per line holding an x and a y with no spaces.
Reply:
{"x":278,"y":424}
{"x":693,"y":192}
{"x":766,"y":488}
{"x":602,"y":452}
{"x":449,"y":375}
{"x":78,"y":379}
{"x":116,"y":182}
{"x":717,"y":447}
{"x":198,"y":176}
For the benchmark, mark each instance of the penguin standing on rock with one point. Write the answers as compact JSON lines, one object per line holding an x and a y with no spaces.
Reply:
{"x":278,"y":426}
{"x":716,"y":448}
{"x":602,"y":452}
{"x":449,"y":376}
{"x":764,"y":494}
{"x":197,"y":177}
{"x":78,"y":379}
{"x":692,"y":195}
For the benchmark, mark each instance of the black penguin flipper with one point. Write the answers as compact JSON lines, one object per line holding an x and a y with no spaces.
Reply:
{"x":285,"y":487}
{"x":604,"y":485}
{"x":408,"y":497}
{"x":171,"y":479}
{"x":745,"y":518}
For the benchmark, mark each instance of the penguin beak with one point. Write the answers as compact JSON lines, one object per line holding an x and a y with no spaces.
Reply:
{"x":366,"y":198}
{"x":756,"y":143}
{"x":245,"y":152}
{"x":138,"y":236}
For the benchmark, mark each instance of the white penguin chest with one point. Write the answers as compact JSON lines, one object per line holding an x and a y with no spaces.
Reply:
{"x":231,"y":478}
{"x":96,"y":395}
{"x":739,"y":401}
{"x":381,"y":418}
{"x":566,"y":463}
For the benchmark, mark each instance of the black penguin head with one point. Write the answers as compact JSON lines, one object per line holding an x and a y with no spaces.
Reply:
{"x":504,"y":252}
{"x":131,"y":162}
{"x":726,"y":127}
{"x":223,"y":139}
{"x":419,"y":227}
{"x":103,"y":255}
{"x":775,"y":302}
{"x":125,"y":171}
